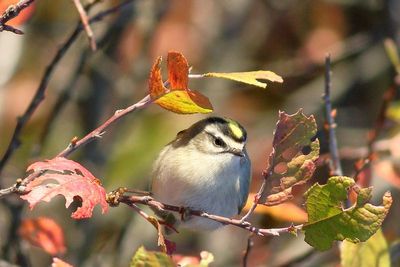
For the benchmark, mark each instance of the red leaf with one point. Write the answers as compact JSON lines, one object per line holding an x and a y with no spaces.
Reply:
{"x":178,"y":71}
{"x":72,"y":180}
{"x":156,"y":85}
{"x":59,"y":263}
{"x":43,"y":232}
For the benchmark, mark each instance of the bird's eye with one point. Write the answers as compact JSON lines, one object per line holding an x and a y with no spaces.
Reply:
{"x":219,"y":142}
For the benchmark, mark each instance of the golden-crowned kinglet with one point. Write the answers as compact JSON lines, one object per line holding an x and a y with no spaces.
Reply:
{"x":206,"y":167}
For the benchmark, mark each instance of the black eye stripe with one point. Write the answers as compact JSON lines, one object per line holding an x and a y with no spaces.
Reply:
{"x":219,"y":142}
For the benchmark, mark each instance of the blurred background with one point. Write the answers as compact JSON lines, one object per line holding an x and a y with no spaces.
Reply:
{"x":288,"y":37}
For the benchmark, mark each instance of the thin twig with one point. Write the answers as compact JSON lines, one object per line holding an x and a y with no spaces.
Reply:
{"x":40,"y":92}
{"x":20,"y":188}
{"x":99,"y":131}
{"x":85,"y":22}
{"x":146,"y":200}
{"x":11,"y":12}
{"x":66,"y":92}
{"x":249,"y":246}
{"x":333,"y":146}
{"x":374,"y":134}
{"x":260,"y":192}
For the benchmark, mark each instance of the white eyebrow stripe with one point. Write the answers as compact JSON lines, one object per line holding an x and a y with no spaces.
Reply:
{"x":216,"y":132}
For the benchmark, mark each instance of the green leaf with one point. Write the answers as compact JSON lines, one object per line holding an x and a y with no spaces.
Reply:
{"x":372,"y":253}
{"x":146,"y":258}
{"x":185,"y":102}
{"x":328,"y":221}
{"x":250,"y":77}
{"x":288,"y":165}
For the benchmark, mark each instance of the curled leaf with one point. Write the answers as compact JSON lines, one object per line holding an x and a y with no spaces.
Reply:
{"x":178,"y":71}
{"x":61,"y":176}
{"x":156,"y":86}
{"x":328,"y":221}
{"x":291,"y":161}
{"x":178,"y":98}
{"x":249,"y":77}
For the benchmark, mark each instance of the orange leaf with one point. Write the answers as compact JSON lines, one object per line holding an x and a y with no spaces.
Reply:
{"x":185,"y":102}
{"x":59,"y":263}
{"x":45,"y":233}
{"x":286,"y":211}
{"x":72,"y":180}
{"x":178,"y":71}
{"x":156,"y":85}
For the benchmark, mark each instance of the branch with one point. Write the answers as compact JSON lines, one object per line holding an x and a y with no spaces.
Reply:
{"x":40,"y":92}
{"x":116,"y":197}
{"x":258,"y":195}
{"x":85,"y":23}
{"x":19,"y":186}
{"x":11,"y":12}
{"x":249,"y":246}
{"x":99,"y":131}
{"x":336,"y":167}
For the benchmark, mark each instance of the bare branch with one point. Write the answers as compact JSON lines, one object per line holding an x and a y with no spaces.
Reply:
{"x":249,"y":246}
{"x":98,"y":132}
{"x":40,"y":92}
{"x":85,"y":23}
{"x":331,"y":126}
{"x":11,"y":12}
{"x":75,"y":143}
{"x":146,"y":200}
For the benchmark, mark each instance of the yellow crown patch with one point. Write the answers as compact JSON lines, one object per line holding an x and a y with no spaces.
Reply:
{"x":235,"y":129}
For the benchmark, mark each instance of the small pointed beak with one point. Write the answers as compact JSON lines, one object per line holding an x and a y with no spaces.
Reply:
{"x":237,"y":152}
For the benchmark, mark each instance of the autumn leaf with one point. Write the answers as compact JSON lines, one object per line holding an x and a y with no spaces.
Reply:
{"x":156,"y":86}
{"x":43,"y":232}
{"x":288,"y":164}
{"x":61,"y":176}
{"x":328,"y":221}
{"x":166,"y":246}
{"x":178,"y":71}
{"x":184,"y":102}
{"x":144,"y":257}
{"x":178,"y":98}
{"x":60,"y":263}
{"x":249,"y":77}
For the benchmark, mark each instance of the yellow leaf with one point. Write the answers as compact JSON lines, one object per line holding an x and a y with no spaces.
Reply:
{"x":185,"y":102}
{"x":250,"y":77}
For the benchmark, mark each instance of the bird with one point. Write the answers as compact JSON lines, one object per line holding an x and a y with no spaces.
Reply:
{"x":207,"y":168}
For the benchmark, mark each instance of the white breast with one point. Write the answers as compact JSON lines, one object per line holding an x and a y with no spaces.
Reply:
{"x":207,"y":182}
